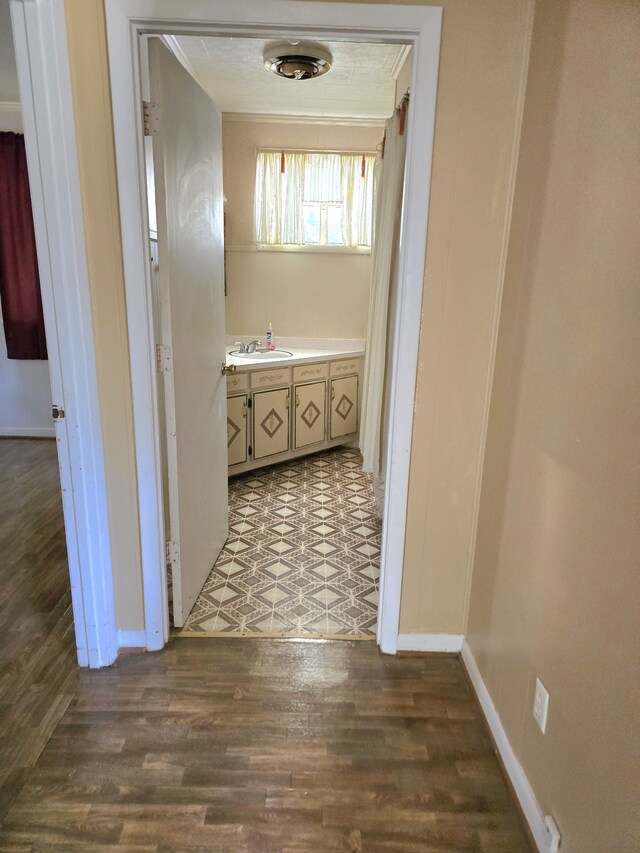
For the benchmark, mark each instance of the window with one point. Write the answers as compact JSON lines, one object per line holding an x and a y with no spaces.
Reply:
{"x":314,"y":199}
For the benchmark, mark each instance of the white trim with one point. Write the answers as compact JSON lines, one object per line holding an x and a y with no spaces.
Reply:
{"x":406,"y":336}
{"x":430,"y":642}
{"x":264,"y":118}
{"x":27,"y":432}
{"x":131,"y":639}
{"x":523,"y":790}
{"x":497,"y":308}
{"x":40,"y":39}
{"x":418,"y":26}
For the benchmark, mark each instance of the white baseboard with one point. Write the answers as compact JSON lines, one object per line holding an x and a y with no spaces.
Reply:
{"x":28,"y":432}
{"x":524,"y":792}
{"x":430,"y":642}
{"x":131,"y":639}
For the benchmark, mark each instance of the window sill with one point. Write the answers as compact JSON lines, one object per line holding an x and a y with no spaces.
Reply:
{"x":321,"y":250}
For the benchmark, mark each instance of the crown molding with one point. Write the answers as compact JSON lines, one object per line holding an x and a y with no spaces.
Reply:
{"x":10,"y":108}
{"x":400,"y":59}
{"x":263,"y":118}
{"x":174,"y":46}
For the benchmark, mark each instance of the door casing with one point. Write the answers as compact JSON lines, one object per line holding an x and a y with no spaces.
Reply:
{"x":419,"y":26}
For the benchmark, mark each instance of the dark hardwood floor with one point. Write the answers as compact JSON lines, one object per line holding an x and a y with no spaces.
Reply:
{"x":223,"y":744}
{"x":37,"y":647}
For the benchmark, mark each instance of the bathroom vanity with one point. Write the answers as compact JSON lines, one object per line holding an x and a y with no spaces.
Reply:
{"x":282,"y":409}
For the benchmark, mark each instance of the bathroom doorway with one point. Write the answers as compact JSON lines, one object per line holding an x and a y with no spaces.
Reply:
{"x":417,"y":26}
{"x":302,"y":556}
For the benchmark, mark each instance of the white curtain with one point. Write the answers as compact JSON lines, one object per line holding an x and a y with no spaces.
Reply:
{"x":278,"y":200}
{"x":388,"y":207}
{"x":316,"y":178}
{"x":357,"y":194}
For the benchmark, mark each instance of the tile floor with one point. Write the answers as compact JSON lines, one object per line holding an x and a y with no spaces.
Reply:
{"x":303,"y":554}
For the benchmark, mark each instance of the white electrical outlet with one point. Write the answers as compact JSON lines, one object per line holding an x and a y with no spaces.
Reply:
{"x":540,"y":705}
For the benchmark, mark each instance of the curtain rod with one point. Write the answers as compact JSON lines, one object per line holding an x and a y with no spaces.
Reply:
{"x":356,"y":151}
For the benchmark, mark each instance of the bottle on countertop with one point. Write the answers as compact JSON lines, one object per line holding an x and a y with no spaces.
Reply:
{"x":270,"y":342}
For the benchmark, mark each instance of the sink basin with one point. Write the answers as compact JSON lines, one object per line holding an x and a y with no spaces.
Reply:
{"x":262,"y":354}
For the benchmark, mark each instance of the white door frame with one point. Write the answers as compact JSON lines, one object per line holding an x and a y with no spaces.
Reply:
{"x":417,"y":25}
{"x":47,"y":109}
{"x":48,"y":115}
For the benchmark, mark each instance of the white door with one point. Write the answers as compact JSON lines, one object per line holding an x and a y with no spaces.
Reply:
{"x":187,"y":158}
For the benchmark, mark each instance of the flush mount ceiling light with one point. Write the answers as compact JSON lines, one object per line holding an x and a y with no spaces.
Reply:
{"x":298,"y":62}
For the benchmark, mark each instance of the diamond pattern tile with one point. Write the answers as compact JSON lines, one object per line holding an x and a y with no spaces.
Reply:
{"x":303,"y":554}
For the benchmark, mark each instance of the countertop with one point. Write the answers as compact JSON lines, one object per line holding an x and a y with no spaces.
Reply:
{"x":305,"y":351}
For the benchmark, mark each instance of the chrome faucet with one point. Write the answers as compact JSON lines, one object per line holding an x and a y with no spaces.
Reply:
{"x":250,"y":347}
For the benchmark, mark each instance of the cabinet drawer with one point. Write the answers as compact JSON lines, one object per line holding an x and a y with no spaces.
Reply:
{"x":305,"y":372}
{"x":342,"y":368}
{"x":269,"y":378}
{"x":237,"y":382}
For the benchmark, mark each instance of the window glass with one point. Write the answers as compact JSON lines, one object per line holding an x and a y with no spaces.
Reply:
{"x":311,"y":223}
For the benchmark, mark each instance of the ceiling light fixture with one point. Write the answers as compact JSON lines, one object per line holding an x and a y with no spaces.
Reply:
{"x":298,"y":62}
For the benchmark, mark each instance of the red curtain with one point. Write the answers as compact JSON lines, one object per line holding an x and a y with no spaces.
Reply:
{"x":19,"y":280}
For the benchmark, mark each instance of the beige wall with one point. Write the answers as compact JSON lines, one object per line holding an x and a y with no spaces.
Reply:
{"x":482,"y":72}
{"x":280,"y":287}
{"x":555,"y":585}
{"x":94,"y":134}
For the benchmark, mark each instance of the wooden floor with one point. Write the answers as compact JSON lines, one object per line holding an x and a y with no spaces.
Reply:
{"x":225,"y":744}
{"x":37,"y":648}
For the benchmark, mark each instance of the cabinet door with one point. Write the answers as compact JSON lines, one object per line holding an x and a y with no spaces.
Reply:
{"x":270,"y":422}
{"x":310,"y":419}
{"x":344,"y":406}
{"x":237,"y":429}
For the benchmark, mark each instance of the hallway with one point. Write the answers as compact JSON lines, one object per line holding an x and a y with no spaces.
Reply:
{"x":252,"y":745}
{"x":268,"y":745}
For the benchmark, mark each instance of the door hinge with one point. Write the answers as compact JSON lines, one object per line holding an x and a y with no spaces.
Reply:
{"x":163,"y":359}
{"x":172,"y":552}
{"x":151,"y":118}
{"x":57,"y":413}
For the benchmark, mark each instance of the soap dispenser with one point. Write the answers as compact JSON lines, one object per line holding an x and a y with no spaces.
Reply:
{"x":270,"y":342}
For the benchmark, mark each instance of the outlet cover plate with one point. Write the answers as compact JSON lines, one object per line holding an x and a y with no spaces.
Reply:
{"x":541,"y":705}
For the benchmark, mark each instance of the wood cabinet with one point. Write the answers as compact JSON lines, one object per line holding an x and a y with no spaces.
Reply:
{"x":237,"y":429}
{"x":344,"y":406}
{"x":310,"y":418}
{"x":270,"y":422}
{"x":290,"y":411}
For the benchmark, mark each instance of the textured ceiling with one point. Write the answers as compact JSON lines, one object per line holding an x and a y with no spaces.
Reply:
{"x":361,"y":83}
